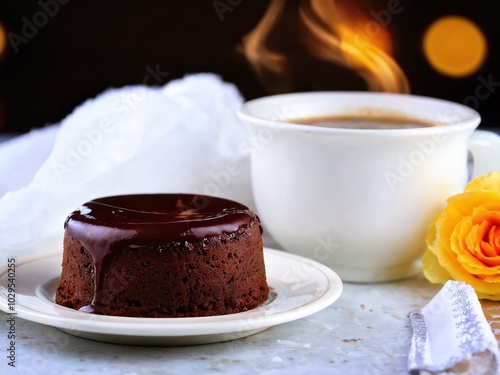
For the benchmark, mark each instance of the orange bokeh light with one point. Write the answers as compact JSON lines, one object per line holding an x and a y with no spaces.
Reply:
{"x":455,"y":46}
{"x":3,"y":39}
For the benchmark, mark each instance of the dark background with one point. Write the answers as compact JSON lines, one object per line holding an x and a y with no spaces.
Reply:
{"x":88,"y":46}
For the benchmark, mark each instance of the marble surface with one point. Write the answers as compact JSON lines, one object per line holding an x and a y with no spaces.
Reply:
{"x":365,"y":332}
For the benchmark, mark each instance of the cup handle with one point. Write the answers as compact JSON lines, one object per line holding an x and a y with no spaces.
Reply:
{"x":484,"y":146}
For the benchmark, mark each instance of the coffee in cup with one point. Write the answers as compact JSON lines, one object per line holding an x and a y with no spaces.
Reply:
{"x":364,"y":122}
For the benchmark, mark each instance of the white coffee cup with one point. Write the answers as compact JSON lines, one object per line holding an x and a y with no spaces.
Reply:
{"x":360,"y":200}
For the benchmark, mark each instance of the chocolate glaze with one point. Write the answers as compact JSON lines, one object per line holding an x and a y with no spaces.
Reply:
{"x":105,"y":226}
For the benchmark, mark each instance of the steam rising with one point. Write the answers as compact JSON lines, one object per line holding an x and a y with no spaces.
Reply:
{"x":330,"y":31}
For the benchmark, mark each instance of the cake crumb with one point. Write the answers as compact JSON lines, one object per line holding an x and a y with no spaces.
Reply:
{"x":350,"y":340}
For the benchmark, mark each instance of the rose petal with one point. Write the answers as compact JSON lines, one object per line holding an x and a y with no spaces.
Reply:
{"x":462,"y":243}
{"x":490,"y":182}
{"x":493,"y":297}
{"x":490,"y":247}
{"x":494,"y":238}
{"x":491,"y":278}
{"x":433,"y":270}
{"x":466,"y":243}
{"x":488,"y":238}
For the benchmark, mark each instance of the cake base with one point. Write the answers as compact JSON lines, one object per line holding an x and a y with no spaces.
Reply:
{"x":215,"y":276}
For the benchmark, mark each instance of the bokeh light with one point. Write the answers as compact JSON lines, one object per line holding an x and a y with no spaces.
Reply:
{"x":455,"y":46}
{"x":3,"y":39}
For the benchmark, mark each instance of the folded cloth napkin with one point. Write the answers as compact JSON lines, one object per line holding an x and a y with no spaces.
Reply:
{"x":452,"y":336}
{"x":182,"y":137}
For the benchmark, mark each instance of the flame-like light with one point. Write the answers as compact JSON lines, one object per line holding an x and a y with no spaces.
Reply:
{"x":268,"y":64}
{"x":330,"y":31}
{"x":3,"y":39}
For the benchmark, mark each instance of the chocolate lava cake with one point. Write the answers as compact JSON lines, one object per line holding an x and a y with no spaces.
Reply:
{"x":162,"y":255}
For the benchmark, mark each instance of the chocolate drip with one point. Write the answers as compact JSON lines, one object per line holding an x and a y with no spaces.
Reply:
{"x":105,"y":226}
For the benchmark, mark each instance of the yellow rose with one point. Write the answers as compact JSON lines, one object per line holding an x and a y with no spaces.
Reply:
{"x":464,"y":241}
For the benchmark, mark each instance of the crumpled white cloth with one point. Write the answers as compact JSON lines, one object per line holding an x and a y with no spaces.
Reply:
{"x":182,"y":137}
{"x":21,"y":157}
{"x":452,"y":336}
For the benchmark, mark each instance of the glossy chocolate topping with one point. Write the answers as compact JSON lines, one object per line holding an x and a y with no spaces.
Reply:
{"x":105,"y":226}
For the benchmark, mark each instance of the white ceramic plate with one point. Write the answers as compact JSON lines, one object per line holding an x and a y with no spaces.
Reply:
{"x":299,"y":287}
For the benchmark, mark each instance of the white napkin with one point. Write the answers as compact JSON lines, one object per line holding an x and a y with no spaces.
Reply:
{"x":183,"y":137}
{"x":21,"y":157}
{"x":452,"y":336}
